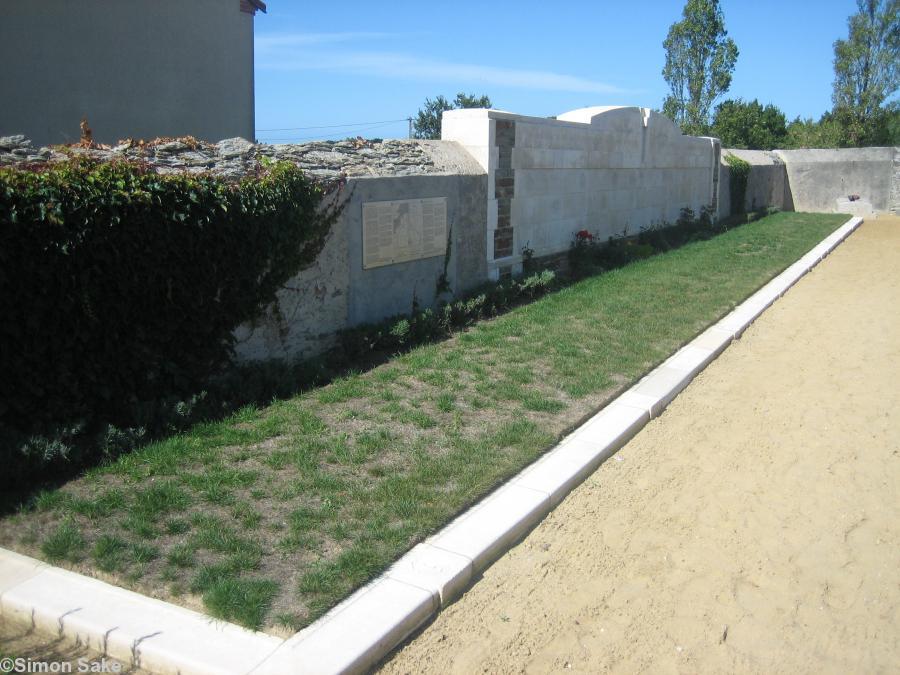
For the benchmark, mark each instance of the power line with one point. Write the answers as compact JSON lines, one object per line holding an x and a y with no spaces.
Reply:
{"x":375,"y":125}
{"x":332,"y":126}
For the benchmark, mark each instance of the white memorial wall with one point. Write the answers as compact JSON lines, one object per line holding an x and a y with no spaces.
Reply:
{"x":607,"y":170}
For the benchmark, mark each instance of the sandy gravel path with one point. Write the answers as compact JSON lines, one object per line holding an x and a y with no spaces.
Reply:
{"x":753,"y":527}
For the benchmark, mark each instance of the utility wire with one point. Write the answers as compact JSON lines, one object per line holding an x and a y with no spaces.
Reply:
{"x":375,"y":125}
{"x":332,"y":126}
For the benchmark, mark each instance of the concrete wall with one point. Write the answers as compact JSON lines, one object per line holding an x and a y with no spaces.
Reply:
{"x":766,"y":185}
{"x":134,"y":68}
{"x":817,"y":178}
{"x":608,"y":170}
{"x":813,"y":180}
{"x":336,"y":292}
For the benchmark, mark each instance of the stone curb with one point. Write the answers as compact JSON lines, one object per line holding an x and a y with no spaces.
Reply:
{"x":365,"y":627}
{"x":128,"y":626}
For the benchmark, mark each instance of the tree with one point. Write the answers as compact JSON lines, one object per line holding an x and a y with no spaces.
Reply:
{"x":699,"y":62}
{"x":867,"y":71}
{"x":807,"y":133}
{"x":428,"y":121}
{"x":743,"y":124}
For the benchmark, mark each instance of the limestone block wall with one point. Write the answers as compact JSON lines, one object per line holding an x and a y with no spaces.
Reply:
{"x":608,"y":170}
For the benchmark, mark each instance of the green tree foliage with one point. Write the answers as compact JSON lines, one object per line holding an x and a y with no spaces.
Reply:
{"x":867,"y":72}
{"x":700,"y":59}
{"x":831,"y":131}
{"x":750,"y":125}
{"x":807,"y":133}
{"x":427,"y":124}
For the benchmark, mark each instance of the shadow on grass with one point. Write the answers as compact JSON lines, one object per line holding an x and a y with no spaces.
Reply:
{"x":359,"y":350}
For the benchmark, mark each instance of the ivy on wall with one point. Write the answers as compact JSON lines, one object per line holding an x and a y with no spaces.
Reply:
{"x":738,"y":175}
{"x":121,"y":287}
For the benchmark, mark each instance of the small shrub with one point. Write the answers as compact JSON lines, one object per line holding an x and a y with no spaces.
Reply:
{"x":404,"y":332}
{"x":527,"y":258}
{"x":588,"y":255}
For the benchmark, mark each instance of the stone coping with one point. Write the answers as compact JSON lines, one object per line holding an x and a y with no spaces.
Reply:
{"x":237,"y":157}
{"x":364,"y":628}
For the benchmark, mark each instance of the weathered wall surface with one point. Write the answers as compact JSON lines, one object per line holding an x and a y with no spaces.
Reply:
{"x":504,"y":182}
{"x":389,"y":290}
{"x":813,"y":180}
{"x":310,"y":309}
{"x":766,"y":184}
{"x":337,"y":292}
{"x":817,"y":178}
{"x":606,"y":170}
{"x":134,"y":69}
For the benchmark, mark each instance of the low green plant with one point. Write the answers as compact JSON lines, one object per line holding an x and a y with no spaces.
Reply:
{"x":401,"y":333}
{"x":65,"y":543}
{"x":245,"y":601}
{"x":528,"y":263}
{"x":590,"y":255}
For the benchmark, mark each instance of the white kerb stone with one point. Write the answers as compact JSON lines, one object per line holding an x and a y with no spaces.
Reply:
{"x":434,"y":569}
{"x":713,"y":339}
{"x":610,"y":428}
{"x":633,"y":399}
{"x":663,"y":384}
{"x":579,"y":455}
{"x":15,"y":568}
{"x":556,"y":475}
{"x":354,"y":638}
{"x":160,"y":637}
{"x":691,"y":359}
{"x":485,"y":532}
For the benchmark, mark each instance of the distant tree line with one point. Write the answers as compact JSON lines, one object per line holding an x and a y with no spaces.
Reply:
{"x":700,"y":59}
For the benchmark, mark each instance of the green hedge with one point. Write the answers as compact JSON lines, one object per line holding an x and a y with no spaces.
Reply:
{"x":120,"y":288}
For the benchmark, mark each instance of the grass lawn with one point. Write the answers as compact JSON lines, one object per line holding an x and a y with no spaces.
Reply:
{"x":272,"y":516}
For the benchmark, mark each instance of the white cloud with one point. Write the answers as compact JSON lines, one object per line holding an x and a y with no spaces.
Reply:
{"x":297,"y":52}
{"x":276,"y":40}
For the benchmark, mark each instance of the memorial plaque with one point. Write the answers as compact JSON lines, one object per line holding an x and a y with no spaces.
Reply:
{"x":404,"y":230}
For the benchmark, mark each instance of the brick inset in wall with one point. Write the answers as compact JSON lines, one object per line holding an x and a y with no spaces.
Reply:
{"x":504,"y":188}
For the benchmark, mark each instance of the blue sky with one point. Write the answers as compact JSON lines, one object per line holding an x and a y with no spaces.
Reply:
{"x":366,"y":63}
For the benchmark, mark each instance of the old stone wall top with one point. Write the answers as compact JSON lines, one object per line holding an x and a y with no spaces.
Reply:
{"x":236,"y":157}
